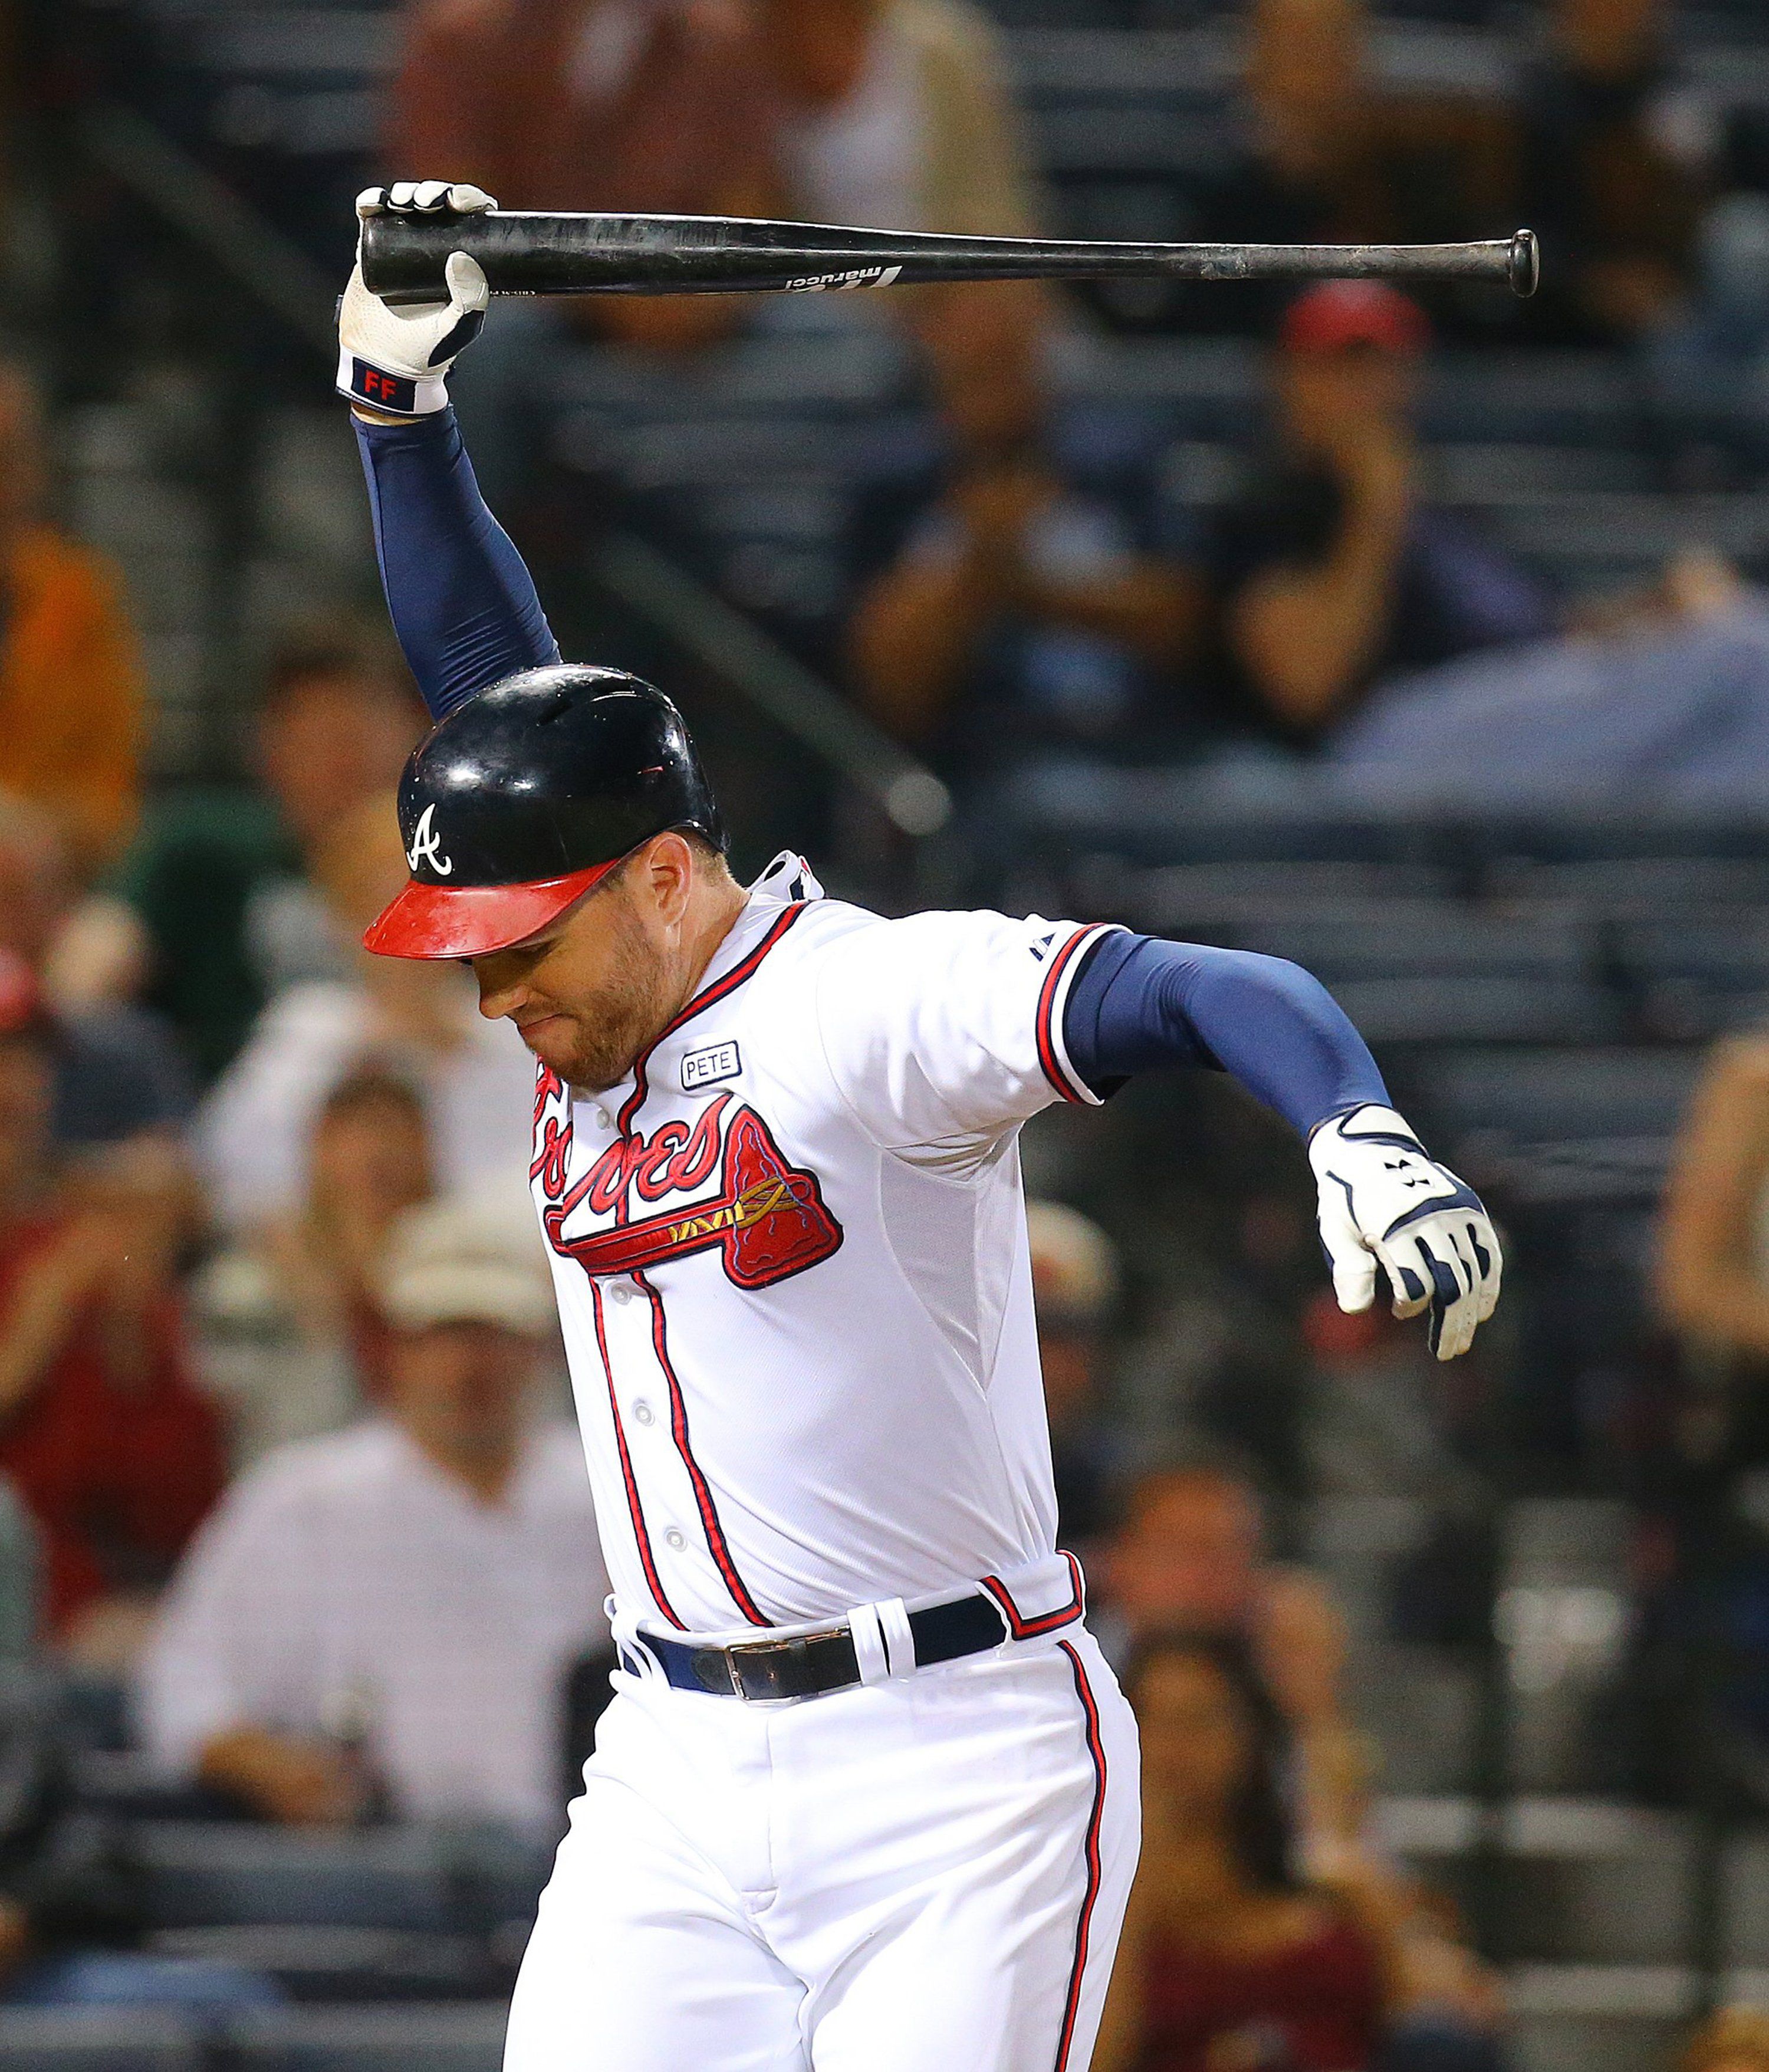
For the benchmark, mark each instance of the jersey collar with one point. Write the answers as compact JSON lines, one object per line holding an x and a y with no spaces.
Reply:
{"x":789,"y":881}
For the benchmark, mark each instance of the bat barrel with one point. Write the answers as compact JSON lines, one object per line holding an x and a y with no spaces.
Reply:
{"x":541,"y":254}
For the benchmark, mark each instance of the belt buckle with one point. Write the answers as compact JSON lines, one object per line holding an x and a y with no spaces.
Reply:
{"x":768,"y":1658}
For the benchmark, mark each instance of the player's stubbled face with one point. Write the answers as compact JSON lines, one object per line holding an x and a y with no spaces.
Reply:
{"x":590,"y":994}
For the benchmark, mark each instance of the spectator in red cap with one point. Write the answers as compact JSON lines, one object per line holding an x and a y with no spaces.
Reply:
{"x":1333,"y":571}
{"x":102,"y":1432}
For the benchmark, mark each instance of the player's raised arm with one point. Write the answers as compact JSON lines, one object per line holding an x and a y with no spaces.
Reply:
{"x":463,"y":602}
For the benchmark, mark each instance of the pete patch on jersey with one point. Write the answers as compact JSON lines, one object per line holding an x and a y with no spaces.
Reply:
{"x":708,"y":1067}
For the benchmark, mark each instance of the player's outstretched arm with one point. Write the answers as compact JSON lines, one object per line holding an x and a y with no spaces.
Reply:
{"x":463,"y":602}
{"x":1139,"y":1003}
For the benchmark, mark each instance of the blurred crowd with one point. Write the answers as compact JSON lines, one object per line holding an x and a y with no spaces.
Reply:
{"x":1015,"y":605}
{"x":286,"y":1468}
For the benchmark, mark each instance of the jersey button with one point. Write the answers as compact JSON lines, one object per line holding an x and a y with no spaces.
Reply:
{"x":621,"y":1291}
{"x":602,"y":1118}
{"x":677,"y":1538}
{"x":642,"y":1412}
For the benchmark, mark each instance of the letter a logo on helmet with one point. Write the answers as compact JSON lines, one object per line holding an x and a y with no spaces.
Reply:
{"x":427,"y":846}
{"x":545,"y":781}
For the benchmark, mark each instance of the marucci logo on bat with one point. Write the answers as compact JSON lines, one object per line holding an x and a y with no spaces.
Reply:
{"x":856,"y":276}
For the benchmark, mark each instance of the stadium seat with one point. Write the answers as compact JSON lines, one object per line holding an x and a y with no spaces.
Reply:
{"x":1492,"y":475}
{"x":1569,"y":1127}
{"x":1203,"y":385}
{"x":1632,"y":888}
{"x":1697,"y":977}
{"x":1072,"y":808}
{"x":755,"y":462}
{"x":1427,"y":972}
{"x":1226,"y":903}
{"x":283,"y":98}
{"x":1608,"y":833}
{"x":1571,"y":399}
{"x":1063,"y":14}
{"x":418,"y":2039}
{"x":355,"y":1965}
{"x":200,"y":1874}
{"x":97,"y":2040}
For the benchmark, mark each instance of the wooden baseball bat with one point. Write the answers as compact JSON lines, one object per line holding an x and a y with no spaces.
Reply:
{"x":527,"y":253}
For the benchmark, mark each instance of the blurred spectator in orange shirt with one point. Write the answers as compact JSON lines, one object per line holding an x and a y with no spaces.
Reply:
{"x":70,"y":676}
{"x":102,"y":1432}
{"x":581,"y":104}
{"x":1735,"y":2040}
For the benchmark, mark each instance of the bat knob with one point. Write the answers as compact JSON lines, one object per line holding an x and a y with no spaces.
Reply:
{"x":1524,"y":269}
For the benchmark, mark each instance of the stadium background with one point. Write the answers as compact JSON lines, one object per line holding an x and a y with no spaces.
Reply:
{"x":1537,"y":878}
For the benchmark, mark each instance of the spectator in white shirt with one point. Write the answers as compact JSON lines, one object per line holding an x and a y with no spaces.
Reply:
{"x":420,"y":1022}
{"x":386,"y":1616}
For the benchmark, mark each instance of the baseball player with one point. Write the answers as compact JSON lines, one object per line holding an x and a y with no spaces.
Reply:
{"x":866,"y":1798}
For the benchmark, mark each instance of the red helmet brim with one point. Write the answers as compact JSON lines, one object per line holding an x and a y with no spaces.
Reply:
{"x":473,"y":920}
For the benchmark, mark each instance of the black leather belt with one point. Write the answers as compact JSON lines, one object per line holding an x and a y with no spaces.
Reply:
{"x":820,"y":1661}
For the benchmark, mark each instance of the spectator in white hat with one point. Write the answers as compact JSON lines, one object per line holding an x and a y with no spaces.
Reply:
{"x":385,"y":1617}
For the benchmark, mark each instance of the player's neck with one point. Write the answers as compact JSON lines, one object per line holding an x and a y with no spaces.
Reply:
{"x":714,"y":905}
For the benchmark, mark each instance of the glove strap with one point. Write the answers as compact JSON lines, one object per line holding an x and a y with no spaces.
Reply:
{"x":399,"y":395}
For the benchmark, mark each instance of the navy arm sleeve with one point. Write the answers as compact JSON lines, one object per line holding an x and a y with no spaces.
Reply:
{"x":1139,"y":1003}
{"x":462,"y":602}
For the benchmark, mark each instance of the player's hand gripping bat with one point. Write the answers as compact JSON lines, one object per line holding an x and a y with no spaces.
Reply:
{"x":405,"y":254}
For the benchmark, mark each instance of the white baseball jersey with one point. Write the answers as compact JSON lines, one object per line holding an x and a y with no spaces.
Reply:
{"x":792,"y":1266}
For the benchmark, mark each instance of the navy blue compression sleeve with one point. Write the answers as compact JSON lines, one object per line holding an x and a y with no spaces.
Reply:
{"x":462,"y":602}
{"x":1139,"y":1003}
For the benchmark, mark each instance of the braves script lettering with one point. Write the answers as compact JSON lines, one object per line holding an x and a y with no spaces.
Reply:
{"x":767,"y":1218}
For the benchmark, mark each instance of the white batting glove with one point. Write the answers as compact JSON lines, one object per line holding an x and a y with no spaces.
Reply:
{"x":1383,"y":1202}
{"x":396,"y":360}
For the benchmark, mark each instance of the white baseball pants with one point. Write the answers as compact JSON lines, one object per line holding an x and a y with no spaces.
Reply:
{"x":925,"y":1875}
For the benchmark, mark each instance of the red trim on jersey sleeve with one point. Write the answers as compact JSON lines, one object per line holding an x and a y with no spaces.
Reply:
{"x":1083,"y":1926}
{"x":633,"y":1509}
{"x":1052,"y":1055}
{"x":1020,"y":1628}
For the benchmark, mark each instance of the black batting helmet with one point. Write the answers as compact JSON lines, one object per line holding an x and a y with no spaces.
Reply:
{"x":523,"y":798}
